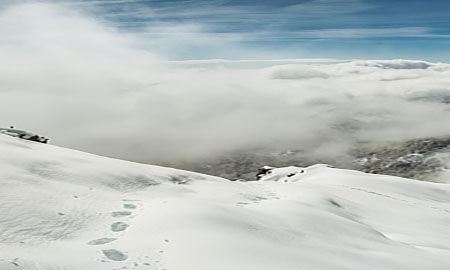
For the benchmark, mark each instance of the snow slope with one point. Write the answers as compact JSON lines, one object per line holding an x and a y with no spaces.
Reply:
{"x":64,"y":209}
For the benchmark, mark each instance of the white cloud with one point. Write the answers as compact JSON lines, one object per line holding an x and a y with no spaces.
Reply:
{"x":88,"y":86}
{"x":271,"y":61}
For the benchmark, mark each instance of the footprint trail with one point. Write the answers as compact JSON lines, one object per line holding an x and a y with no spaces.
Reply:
{"x":114,"y":255}
{"x":101,"y":241}
{"x":119,"y":226}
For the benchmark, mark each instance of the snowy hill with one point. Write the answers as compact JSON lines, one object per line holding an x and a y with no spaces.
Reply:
{"x":64,"y":209}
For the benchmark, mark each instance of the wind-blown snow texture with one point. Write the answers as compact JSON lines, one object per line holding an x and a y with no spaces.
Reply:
{"x":64,"y":209}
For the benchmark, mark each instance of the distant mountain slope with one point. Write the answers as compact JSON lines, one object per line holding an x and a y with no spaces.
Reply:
{"x":425,"y":159}
{"x":64,"y":209}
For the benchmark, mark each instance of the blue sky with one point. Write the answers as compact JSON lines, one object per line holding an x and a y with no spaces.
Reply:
{"x":245,"y":29}
{"x":319,"y":28}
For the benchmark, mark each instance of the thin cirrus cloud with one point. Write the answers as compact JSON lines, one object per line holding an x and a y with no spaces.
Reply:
{"x":424,"y":32}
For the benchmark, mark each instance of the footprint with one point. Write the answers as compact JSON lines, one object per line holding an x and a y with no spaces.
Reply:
{"x":258,"y":199}
{"x":101,"y":241}
{"x":114,"y":255}
{"x":129,"y":206}
{"x":241,"y":203}
{"x":120,"y":213}
{"x":119,"y":226}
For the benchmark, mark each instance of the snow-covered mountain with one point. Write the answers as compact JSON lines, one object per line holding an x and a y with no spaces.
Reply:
{"x":64,"y":209}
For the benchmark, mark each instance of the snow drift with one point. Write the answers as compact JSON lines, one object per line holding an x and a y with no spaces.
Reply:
{"x":64,"y":209}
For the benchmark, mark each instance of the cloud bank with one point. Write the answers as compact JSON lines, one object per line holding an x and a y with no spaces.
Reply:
{"x":91,"y":87}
